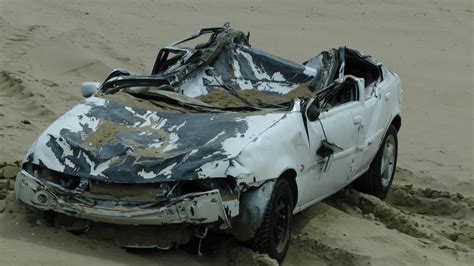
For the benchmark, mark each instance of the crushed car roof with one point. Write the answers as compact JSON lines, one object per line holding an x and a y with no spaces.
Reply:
{"x":224,"y":66}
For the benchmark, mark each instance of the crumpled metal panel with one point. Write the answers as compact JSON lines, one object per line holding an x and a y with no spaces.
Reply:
{"x":194,"y":208}
{"x":107,"y":141}
{"x":253,"y":205}
{"x":241,"y":67}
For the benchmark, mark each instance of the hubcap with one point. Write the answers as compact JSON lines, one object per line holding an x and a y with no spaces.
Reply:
{"x":281,"y":229}
{"x":387,"y":166}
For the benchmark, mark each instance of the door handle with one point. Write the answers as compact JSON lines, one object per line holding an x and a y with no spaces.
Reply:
{"x":387,"y":96}
{"x":357,"y":119}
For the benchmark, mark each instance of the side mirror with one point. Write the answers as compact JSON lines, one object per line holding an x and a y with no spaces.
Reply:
{"x":88,"y":89}
{"x":312,"y":111}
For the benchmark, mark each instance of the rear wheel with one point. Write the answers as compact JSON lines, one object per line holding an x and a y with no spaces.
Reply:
{"x":379,"y":177}
{"x":273,"y":237}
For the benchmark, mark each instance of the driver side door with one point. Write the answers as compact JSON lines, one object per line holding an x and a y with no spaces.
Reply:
{"x":339,"y":126}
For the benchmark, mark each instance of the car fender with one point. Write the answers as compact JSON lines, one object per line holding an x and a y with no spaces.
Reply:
{"x":283,"y":146}
{"x":252,"y":207}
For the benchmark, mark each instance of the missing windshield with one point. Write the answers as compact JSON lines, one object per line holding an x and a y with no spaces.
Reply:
{"x":163,"y":98}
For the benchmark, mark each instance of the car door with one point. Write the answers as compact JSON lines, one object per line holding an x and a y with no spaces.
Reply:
{"x":339,"y":128}
{"x":376,"y":116}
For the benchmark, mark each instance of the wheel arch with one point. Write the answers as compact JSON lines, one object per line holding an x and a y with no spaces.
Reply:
{"x":397,"y":122}
{"x":290,"y":176}
{"x":253,"y":204}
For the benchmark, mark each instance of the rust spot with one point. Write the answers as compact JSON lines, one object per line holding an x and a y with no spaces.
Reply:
{"x":302,"y":168}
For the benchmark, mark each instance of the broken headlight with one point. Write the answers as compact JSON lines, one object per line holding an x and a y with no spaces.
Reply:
{"x":47,"y":175}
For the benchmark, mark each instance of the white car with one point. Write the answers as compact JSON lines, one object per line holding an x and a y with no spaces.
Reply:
{"x":219,"y":136}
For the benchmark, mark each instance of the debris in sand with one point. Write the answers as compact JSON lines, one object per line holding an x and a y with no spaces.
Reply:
{"x":245,"y":256}
{"x":422,"y":213}
{"x":428,"y":201}
{"x":331,"y":255}
{"x":375,"y":209}
{"x":8,"y":171}
{"x":7,"y":174}
{"x":4,"y":184}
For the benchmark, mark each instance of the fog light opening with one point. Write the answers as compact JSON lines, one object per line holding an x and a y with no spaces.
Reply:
{"x":42,"y":198}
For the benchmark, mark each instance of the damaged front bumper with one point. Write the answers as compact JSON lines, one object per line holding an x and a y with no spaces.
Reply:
{"x":193,"y":208}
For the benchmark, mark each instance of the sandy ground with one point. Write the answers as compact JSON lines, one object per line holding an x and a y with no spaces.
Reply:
{"x":47,"y":48}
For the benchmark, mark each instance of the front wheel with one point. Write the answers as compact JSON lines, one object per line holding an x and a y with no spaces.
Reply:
{"x":379,"y":177}
{"x":273,"y":236}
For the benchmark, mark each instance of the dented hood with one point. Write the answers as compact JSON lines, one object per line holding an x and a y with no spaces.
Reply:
{"x":103,"y":140}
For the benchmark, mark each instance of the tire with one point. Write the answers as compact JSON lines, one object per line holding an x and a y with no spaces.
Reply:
{"x":273,"y":236}
{"x":378,"y":179}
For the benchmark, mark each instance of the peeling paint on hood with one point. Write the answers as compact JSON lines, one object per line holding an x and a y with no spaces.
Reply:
{"x":103,"y":140}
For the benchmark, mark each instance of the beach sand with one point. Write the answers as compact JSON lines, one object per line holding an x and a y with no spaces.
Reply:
{"x":48,"y":48}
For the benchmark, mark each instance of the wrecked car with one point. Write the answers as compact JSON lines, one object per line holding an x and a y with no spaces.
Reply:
{"x":220,"y":136}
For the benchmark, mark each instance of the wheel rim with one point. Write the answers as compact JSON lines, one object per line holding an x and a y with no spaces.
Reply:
{"x":387,"y":167}
{"x":281,"y":229}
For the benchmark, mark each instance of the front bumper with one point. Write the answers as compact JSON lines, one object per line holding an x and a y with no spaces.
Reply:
{"x":194,"y":208}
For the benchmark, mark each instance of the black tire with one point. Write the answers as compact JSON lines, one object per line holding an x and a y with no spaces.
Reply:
{"x":273,"y":236}
{"x":377,"y":181}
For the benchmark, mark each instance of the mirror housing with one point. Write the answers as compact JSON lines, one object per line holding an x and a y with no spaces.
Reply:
{"x":90,"y":88}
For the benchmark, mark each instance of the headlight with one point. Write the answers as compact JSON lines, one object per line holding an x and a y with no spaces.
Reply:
{"x":29,"y":168}
{"x":47,"y":175}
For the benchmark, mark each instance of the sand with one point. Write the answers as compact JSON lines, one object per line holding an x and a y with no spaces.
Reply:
{"x":219,"y":97}
{"x":47,"y":48}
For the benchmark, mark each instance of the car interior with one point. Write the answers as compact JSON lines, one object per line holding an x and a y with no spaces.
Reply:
{"x":343,"y":93}
{"x":356,"y":65}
